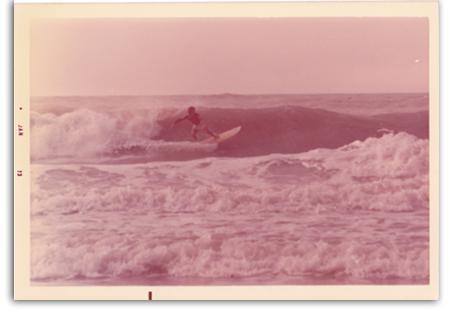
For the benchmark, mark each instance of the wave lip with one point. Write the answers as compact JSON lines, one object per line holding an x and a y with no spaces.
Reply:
{"x":85,"y":134}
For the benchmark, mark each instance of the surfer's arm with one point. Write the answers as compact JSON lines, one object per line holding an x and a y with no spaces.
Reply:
{"x":178,"y":120}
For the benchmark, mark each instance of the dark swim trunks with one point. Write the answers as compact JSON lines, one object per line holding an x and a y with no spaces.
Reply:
{"x":199,"y":127}
{"x":195,"y":118}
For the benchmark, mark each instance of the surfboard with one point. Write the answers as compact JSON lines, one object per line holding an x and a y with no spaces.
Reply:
{"x":223,"y":136}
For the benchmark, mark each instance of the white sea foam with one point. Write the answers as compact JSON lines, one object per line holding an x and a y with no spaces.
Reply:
{"x":92,"y":254}
{"x":390,"y":173}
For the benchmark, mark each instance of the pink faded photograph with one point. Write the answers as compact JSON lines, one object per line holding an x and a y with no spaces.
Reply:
{"x":229,"y":151}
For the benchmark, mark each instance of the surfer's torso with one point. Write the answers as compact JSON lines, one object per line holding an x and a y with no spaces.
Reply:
{"x":194,"y":118}
{"x":198,"y":123}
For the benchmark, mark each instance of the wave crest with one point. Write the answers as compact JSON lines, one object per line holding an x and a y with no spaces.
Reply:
{"x":84,"y":133}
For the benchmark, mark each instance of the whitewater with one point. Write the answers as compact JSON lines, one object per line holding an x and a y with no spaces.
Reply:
{"x":314,"y":190}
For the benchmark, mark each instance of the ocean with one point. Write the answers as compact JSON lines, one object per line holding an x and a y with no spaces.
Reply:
{"x":313,"y":190}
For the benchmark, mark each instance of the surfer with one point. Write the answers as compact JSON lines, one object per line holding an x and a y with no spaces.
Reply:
{"x":198,"y":123}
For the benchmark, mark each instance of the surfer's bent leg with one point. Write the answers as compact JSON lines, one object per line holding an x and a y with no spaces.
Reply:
{"x":194,"y":132}
{"x":211,"y":134}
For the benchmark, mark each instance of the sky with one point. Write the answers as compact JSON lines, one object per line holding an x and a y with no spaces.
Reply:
{"x":177,"y":56}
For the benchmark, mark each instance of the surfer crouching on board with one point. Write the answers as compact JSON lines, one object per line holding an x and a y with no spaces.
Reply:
{"x":198,"y":123}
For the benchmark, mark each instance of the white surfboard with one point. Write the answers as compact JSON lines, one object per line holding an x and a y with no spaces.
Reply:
{"x":223,"y":136}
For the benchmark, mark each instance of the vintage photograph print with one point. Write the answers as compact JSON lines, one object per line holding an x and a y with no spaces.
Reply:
{"x":320,"y":178}
{"x":215,"y":151}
